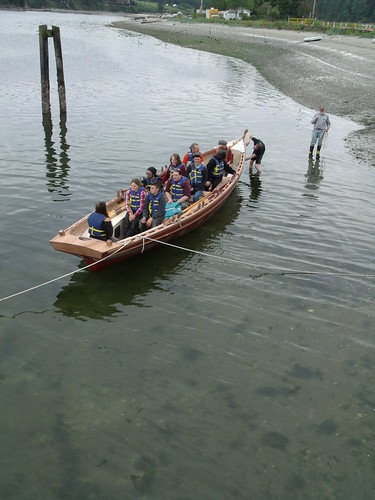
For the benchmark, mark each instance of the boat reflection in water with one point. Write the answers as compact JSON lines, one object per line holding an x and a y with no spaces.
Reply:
{"x":100,"y":295}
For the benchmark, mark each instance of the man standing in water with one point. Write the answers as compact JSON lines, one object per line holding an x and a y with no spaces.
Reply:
{"x":257,"y":154}
{"x":321,"y":125}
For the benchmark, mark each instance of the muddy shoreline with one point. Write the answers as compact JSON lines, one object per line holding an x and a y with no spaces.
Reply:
{"x":338,"y":71}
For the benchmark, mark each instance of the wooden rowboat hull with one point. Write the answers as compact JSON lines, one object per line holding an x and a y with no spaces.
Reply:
{"x":100,"y":254}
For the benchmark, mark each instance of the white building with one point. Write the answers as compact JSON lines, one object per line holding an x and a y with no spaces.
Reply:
{"x":245,"y":12}
{"x":228,"y":14}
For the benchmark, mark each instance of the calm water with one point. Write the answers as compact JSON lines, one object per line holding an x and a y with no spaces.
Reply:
{"x":177,"y":375}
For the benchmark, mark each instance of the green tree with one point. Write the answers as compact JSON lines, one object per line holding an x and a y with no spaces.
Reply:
{"x":267,"y":11}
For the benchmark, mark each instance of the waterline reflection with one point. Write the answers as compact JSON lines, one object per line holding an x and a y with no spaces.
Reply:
{"x":57,"y":164}
{"x":314,"y":175}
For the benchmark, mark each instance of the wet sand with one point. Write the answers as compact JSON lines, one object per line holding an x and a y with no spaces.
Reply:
{"x":338,"y":71}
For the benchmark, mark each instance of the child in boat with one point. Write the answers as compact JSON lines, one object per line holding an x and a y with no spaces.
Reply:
{"x":188,"y":158}
{"x":174,"y":162}
{"x":151,"y":176}
{"x":154,"y":208}
{"x":216,"y":168}
{"x":197,"y":176}
{"x":178,"y":189}
{"x":134,"y":203}
{"x":100,"y":225}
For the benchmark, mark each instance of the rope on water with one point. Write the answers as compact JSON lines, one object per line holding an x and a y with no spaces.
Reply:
{"x":63,"y":276}
{"x":305,"y":125}
{"x":285,"y":134}
{"x":275,"y":271}
{"x":280,"y":271}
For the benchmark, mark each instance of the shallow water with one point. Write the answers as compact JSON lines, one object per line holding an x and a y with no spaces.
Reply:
{"x":177,"y":375}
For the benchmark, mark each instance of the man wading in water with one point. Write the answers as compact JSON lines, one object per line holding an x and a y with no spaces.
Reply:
{"x":321,"y":125}
{"x":257,"y":155}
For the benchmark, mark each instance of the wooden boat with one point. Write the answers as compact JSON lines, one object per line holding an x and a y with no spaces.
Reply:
{"x":99,"y":254}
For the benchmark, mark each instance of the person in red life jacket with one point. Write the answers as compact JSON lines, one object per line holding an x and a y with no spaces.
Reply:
{"x":188,"y":158}
{"x":177,"y":189}
{"x":134,"y":202}
{"x":100,"y":225}
{"x":174,"y":162}
{"x":197,"y":176}
{"x":257,"y":155}
{"x":216,"y":168}
{"x":223,"y":145}
{"x":154,"y":208}
{"x":150,"y":177}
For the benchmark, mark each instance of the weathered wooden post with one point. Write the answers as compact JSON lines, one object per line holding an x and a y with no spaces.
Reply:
{"x":44,"y":68}
{"x":44,"y":34}
{"x":59,"y":68}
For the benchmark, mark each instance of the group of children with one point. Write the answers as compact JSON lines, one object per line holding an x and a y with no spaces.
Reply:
{"x":178,"y":184}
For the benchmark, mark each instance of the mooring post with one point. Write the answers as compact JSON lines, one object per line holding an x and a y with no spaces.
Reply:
{"x":59,"y":68}
{"x":44,"y":69}
{"x":44,"y":34}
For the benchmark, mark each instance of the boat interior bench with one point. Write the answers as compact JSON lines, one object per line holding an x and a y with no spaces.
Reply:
{"x":118,"y":225}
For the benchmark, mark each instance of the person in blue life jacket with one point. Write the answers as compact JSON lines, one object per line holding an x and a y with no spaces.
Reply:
{"x":151,"y":176}
{"x":178,"y":189}
{"x":134,"y":203}
{"x":197,"y":175}
{"x":174,"y":162}
{"x":216,"y":168}
{"x":154,"y":207}
{"x":188,"y":158}
{"x":100,"y":225}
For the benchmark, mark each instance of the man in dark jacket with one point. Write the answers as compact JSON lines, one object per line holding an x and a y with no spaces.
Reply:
{"x":257,"y":155}
{"x":216,"y":168}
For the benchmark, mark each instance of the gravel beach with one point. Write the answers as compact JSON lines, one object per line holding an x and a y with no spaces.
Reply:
{"x":338,"y":71}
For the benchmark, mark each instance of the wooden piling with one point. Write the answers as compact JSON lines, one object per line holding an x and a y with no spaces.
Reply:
{"x":44,"y":34}
{"x":44,"y":69}
{"x":59,"y":68}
